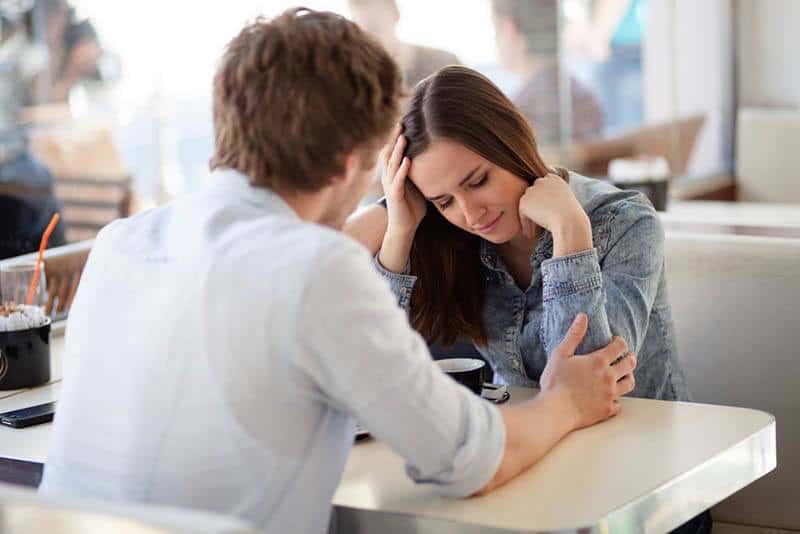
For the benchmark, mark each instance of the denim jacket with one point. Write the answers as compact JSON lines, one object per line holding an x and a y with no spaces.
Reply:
{"x":620,"y":284}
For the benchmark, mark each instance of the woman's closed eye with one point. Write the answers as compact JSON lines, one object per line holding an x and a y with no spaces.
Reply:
{"x":481,"y":182}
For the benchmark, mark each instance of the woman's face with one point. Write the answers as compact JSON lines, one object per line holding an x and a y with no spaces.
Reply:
{"x":470,"y":191}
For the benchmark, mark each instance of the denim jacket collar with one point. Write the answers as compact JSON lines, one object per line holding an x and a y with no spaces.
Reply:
{"x":543,"y":251}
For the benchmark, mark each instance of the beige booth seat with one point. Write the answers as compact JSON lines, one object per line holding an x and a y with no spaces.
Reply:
{"x":736,"y":306}
{"x":767,"y":155}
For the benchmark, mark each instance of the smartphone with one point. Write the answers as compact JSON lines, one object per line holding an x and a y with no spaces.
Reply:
{"x":32,"y":415}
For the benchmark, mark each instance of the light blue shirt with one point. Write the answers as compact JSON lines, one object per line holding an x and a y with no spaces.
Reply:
{"x":218,"y":352}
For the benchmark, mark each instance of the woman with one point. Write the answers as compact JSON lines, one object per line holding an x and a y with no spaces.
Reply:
{"x":481,"y":240}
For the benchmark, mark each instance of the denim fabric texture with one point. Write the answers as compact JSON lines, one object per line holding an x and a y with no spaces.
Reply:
{"x":620,"y":284}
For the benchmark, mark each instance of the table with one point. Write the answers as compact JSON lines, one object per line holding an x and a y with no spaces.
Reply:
{"x":742,"y":218}
{"x":650,"y":469}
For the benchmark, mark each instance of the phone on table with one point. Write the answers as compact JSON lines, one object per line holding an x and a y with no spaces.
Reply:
{"x":32,"y":415}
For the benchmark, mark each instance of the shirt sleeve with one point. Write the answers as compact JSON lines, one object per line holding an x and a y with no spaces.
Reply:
{"x":617,"y":297}
{"x":364,"y":358}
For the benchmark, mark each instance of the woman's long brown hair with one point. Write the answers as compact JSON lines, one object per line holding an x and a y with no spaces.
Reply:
{"x":461,"y":105}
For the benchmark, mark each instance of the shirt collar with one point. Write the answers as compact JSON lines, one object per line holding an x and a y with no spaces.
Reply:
{"x":543,"y":251}
{"x":233,"y":181}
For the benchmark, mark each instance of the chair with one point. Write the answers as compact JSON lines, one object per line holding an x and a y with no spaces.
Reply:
{"x":63,"y":267}
{"x":90,"y":178}
{"x":734,"y":303}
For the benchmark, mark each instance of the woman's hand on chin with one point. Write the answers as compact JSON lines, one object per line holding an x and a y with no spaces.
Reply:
{"x":550,"y":203}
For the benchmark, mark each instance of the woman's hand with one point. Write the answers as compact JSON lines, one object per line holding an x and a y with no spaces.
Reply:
{"x":404,"y":202}
{"x":549,"y":203}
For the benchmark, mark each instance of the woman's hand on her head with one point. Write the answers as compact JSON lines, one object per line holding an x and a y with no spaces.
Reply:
{"x":550,"y":203}
{"x":405,"y":204}
{"x":590,"y":384}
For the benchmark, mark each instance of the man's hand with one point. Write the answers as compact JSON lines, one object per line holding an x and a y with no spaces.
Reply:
{"x":590,"y":385}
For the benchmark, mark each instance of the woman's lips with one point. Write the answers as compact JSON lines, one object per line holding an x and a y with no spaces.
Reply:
{"x":489,"y":227}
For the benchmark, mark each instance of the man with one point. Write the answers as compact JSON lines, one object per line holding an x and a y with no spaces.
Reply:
{"x":27,"y":197}
{"x":380,"y":18}
{"x":526,"y":32}
{"x":221,"y":347}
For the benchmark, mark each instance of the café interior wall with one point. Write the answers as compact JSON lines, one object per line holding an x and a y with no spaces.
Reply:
{"x":688,"y":69}
{"x":769,"y":42}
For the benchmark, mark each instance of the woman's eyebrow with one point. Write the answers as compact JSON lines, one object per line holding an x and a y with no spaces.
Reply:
{"x":469,"y":175}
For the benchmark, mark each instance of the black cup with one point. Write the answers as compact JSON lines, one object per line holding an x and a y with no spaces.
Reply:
{"x":466,"y":371}
{"x":655,"y":190}
{"x":25,"y":357}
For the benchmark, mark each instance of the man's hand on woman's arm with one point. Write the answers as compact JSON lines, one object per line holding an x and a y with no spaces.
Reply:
{"x":576,"y":392}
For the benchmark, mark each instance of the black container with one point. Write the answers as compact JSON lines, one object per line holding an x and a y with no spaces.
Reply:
{"x":466,"y":371}
{"x":655,"y":190}
{"x":25,"y":357}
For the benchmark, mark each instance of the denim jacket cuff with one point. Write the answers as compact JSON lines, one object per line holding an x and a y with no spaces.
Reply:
{"x":402,"y":284}
{"x":571,"y":274}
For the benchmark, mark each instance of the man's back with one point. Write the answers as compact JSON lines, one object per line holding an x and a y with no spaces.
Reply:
{"x":182,"y":314}
{"x":216,"y":351}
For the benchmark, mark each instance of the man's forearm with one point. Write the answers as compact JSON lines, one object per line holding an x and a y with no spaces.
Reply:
{"x":532,"y":429}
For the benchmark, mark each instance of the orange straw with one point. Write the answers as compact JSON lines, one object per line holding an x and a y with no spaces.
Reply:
{"x":42,"y":246}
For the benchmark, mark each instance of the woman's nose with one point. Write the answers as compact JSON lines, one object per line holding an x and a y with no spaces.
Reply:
{"x":473,"y":213}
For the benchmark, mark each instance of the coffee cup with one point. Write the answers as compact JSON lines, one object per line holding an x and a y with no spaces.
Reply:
{"x":25,"y":357}
{"x":466,"y":371}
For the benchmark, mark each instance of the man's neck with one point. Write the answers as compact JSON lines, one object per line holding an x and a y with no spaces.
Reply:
{"x":310,"y":207}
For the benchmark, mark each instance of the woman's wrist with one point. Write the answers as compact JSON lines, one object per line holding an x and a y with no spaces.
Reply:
{"x":395,"y":250}
{"x":572,"y":235}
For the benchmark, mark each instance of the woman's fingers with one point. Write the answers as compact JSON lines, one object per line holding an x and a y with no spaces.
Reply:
{"x":399,"y":180}
{"x":394,"y":161}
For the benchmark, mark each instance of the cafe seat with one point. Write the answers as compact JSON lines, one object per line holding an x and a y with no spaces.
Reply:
{"x":767,"y":159}
{"x":91,"y":180}
{"x":734,"y":303}
{"x":63,"y":267}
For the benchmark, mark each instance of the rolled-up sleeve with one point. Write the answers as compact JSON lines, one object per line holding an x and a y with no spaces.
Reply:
{"x":365,"y":360}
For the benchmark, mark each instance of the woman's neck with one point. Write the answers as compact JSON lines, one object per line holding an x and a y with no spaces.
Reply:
{"x":520,"y":247}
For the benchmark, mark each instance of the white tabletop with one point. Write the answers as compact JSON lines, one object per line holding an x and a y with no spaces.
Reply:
{"x":743,"y":215}
{"x":650,"y":469}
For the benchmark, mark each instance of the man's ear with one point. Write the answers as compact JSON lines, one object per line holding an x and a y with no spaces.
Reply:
{"x":346,"y":172}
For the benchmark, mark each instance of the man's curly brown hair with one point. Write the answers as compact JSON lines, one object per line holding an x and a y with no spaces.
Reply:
{"x":293,"y":96}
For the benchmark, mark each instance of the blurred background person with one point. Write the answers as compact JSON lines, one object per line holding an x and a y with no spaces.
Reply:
{"x":27,"y":198}
{"x":380,"y":18}
{"x":614,"y":45}
{"x":527,"y":37}
{"x":72,"y":47}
